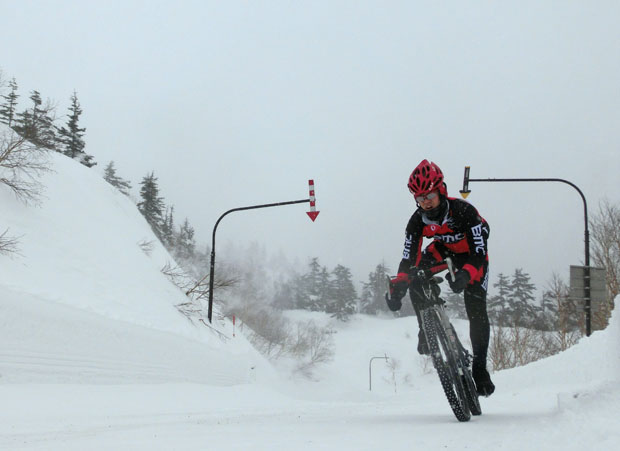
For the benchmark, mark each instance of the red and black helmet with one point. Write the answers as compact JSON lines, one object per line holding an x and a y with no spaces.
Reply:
{"x":426,"y":177}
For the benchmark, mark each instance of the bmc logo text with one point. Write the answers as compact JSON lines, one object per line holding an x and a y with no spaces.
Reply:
{"x":451,"y":238}
{"x":407,"y":251}
{"x":478,"y":239}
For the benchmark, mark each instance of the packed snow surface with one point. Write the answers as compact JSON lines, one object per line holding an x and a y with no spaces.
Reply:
{"x":95,"y":355}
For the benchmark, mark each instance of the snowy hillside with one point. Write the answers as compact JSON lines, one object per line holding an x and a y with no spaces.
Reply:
{"x":94,"y":355}
{"x":82,"y":287}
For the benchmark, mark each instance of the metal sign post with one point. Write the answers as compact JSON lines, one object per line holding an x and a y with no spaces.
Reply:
{"x":312,"y":213}
{"x":586,"y":278}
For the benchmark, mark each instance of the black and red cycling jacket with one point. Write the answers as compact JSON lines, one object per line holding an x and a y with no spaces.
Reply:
{"x":462,"y":232}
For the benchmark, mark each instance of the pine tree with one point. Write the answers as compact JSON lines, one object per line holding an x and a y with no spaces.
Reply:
{"x":309,"y":294}
{"x":71,"y":137}
{"x":7,"y":108}
{"x":110,"y":176}
{"x":372,"y":299}
{"x":343,"y":295}
{"x":323,"y":290}
{"x":152,"y":205}
{"x":167,"y":229}
{"x":185,"y":245}
{"x":36,"y":125}
{"x":285,"y":294}
{"x":497,"y":305}
{"x":312,"y":288}
{"x":522,"y":305}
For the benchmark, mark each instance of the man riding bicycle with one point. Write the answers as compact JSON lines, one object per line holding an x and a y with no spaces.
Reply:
{"x":459,"y":232}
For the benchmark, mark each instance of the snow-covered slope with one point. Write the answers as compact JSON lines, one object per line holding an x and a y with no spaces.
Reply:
{"x":83,"y":289}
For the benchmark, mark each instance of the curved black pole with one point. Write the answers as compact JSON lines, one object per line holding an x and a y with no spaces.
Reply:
{"x":466,"y":191}
{"x":212,"y":266}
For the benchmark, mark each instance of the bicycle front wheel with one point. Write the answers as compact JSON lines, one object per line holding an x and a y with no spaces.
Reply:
{"x":464,"y":360}
{"x":446,"y":363}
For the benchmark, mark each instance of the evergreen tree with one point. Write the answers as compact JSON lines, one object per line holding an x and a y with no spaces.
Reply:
{"x":7,"y":108}
{"x":286,"y":293}
{"x":372,"y":299}
{"x":324,"y":293}
{"x":36,"y":125}
{"x":71,"y":137}
{"x":185,"y":244}
{"x":167,"y":229}
{"x":152,"y":205}
{"x":309,"y":293}
{"x":110,"y":176}
{"x":497,"y":305}
{"x":522,"y":306}
{"x":343,"y":296}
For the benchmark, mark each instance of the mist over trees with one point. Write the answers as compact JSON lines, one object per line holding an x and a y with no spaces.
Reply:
{"x":372,"y":297}
{"x":511,"y":301}
{"x":319,"y":290}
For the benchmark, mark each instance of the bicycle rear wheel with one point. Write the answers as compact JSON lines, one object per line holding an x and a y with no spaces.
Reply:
{"x":446,"y":363}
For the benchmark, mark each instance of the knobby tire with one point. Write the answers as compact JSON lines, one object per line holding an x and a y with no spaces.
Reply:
{"x":446,"y":363}
{"x":468,"y":381}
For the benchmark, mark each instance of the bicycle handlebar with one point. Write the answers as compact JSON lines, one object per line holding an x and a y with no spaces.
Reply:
{"x":428,"y":274}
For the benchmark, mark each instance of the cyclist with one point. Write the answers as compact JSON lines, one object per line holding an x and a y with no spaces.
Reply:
{"x":457,"y":231}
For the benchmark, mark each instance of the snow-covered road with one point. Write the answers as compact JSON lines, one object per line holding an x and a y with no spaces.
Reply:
{"x":198,"y":417}
{"x":112,"y":385}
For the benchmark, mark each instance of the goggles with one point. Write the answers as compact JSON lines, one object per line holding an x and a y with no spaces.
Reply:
{"x":429,"y":196}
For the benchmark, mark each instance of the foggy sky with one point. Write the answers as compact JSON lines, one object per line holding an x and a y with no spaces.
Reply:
{"x":240,"y":103}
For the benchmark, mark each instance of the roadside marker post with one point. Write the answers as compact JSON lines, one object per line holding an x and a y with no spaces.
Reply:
{"x":312,"y":213}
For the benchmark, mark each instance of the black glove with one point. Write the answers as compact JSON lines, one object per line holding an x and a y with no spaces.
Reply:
{"x":398,"y":289}
{"x":461,"y":279}
{"x":393,"y":303}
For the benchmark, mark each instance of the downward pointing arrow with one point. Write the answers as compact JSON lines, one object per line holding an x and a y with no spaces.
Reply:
{"x":312,"y":214}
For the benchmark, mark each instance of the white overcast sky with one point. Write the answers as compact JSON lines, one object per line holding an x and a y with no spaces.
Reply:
{"x":237,"y":103}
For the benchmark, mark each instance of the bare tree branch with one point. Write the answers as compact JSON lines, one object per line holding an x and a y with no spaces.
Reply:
{"x":21,"y":165}
{"x":605,"y":234}
{"x":8,"y":244}
{"x":146,"y":246}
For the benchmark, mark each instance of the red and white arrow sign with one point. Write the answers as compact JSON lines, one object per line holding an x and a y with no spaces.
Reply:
{"x":312,"y":213}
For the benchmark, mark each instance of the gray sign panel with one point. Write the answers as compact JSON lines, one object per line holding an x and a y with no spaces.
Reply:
{"x":598,"y":289}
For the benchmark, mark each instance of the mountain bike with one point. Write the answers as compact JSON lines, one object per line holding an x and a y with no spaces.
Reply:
{"x":450,"y":359}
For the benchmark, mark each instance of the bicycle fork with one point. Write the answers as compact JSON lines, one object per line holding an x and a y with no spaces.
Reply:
{"x":454,"y":340}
